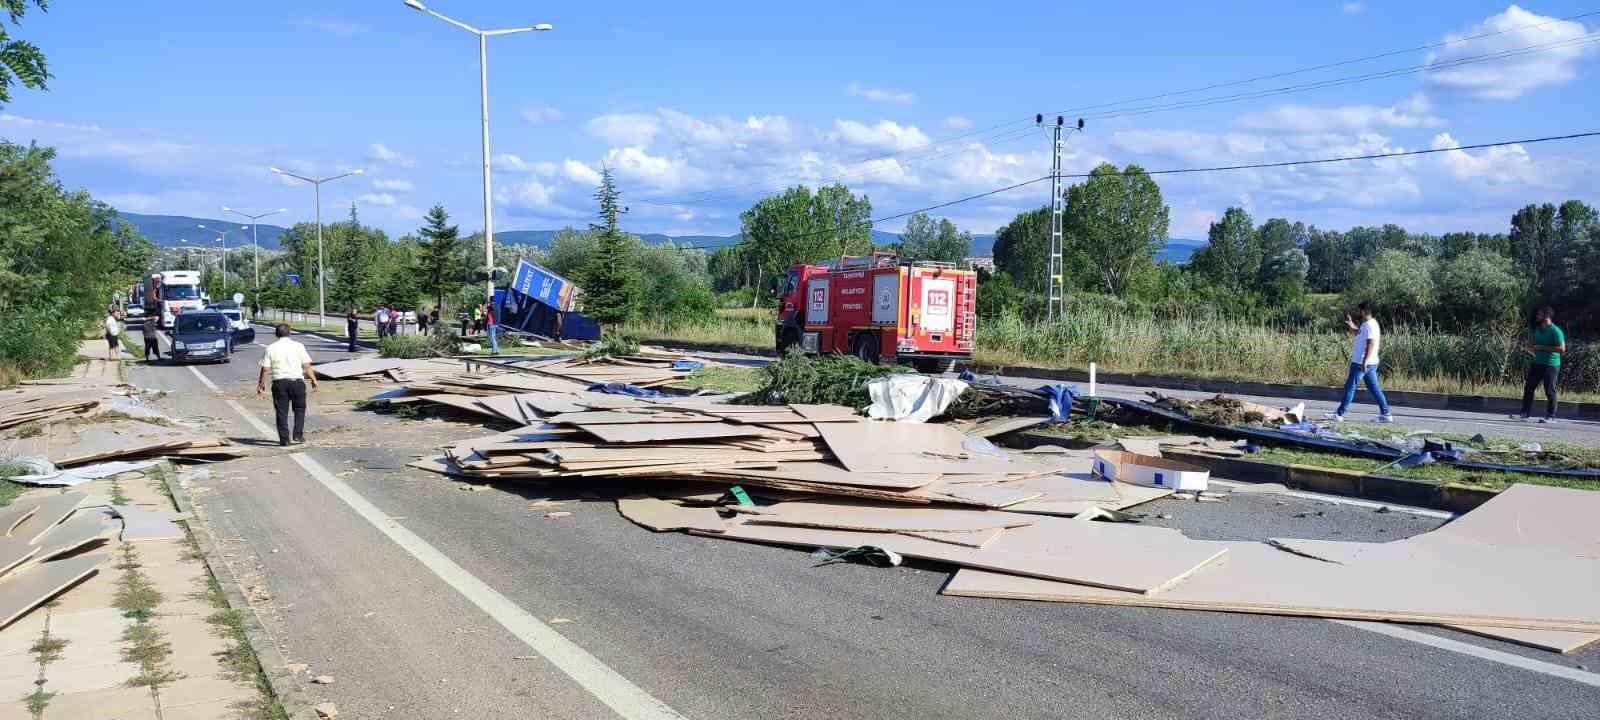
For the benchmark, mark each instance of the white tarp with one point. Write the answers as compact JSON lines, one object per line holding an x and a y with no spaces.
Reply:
{"x":912,"y":398}
{"x":79,"y":475}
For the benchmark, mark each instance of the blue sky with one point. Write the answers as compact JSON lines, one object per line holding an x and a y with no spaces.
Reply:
{"x":169,"y":107}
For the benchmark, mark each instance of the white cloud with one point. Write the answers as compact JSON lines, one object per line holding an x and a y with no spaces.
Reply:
{"x":393,"y":185}
{"x":625,"y":128}
{"x":1354,"y":8}
{"x":1508,"y":78}
{"x":957,"y":122}
{"x":541,"y":114}
{"x":514,"y":163}
{"x":580,"y":173}
{"x":380,"y":153}
{"x":1504,"y":165}
{"x":528,"y":194}
{"x":885,"y":135}
{"x":658,"y":171}
{"x":335,"y":26}
{"x":1409,"y":113}
{"x":880,"y":95}
{"x":379,"y":199}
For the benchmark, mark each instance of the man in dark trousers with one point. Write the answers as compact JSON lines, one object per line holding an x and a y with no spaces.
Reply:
{"x":288,"y":365}
{"x":152,"y":341}
{"x":1546,"y":343}
{"x":352,"y":326}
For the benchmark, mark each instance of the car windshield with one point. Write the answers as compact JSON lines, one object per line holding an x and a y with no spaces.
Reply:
{"x":198,"y":323}
{"x":232,"y":314}
{"x":180,"y":292}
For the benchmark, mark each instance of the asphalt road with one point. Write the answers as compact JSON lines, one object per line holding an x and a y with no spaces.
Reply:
{"x":721,"y":629}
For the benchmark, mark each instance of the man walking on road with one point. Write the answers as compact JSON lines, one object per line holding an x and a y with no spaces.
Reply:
{"x":380,"y":318}
{"x":152,"y":341}
{"x":1547,"y":344}
{"x":289,"y":366}
{"x":1363,"y":365}
{"x":113,"y":332}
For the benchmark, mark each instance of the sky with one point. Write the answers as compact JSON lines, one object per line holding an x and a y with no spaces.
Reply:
{"x":703,"y":108}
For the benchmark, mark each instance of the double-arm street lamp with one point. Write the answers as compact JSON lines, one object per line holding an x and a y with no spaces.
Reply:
{"x":483,"y":94}
{"x":253,"y":240}
{"x":322,"y":308}
{"x":222,"y":237}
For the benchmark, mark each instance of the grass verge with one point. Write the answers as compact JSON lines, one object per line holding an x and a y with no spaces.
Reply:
{"x":723,"y":379}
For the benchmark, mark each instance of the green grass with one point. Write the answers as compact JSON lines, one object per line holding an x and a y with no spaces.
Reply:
{"x":752,"y":334}
{"x":723,"y":379}
{"x":1437,"y":472}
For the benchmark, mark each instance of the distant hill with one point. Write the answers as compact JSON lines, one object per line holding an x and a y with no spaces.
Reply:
{"x":1178,"y":250}
{"x":173,"y":230}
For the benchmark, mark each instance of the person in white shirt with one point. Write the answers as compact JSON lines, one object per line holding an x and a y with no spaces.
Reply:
{"x":1363,"y":364}
{"x":113,"y":332}
{"x":289,"y":366}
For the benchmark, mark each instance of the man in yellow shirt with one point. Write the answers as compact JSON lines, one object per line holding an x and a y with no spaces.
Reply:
{"x":289,"y":366}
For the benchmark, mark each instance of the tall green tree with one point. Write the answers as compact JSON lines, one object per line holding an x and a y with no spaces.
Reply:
{"x":1232,"y":255}
{"x":611,"y":283}
{"x":439,"y":248}
{"x":1020,"y":247}
{"x":1116,"y":221}
{"x":569,"y":250}
{"x":940,"y":240}
{"x":20,"y":61}
{"x":1535,"y":248}
{"x":798,"y":226}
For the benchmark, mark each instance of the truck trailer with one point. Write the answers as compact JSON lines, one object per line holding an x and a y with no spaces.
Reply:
{"x":171,"y":292}
{"x":881,"y":308}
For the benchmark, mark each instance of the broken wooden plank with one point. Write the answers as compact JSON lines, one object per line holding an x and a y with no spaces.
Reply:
{"x":663,"y":516}
{"x":20,"y":594}
{"x":51,"y":511}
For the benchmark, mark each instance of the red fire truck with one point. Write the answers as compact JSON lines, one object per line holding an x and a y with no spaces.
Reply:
{"x":880,"y":307}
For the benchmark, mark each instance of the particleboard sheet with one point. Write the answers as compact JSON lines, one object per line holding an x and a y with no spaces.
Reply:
{"x":20,"y":509}
{"x":31,"y":589}
{"x":550,"y":403}
{"x":995,"y":496}
{"x":1525,"y":515}
{"x":891,"y":447}
{"x":506,"y":406}
{"x":1460,"y":587}
{"x":139,"y":523}
{"x":51,"y":510}
{"x":841,"y":515}
{"x":993,"y":427}
{"x":1074,"y":493}
{"x":827,"y":472}
{"x":620,"y":417}
{"x":1137,"y":559}
{"x":464,"y":403}
{"x":977,"y":539}
{"x":664,"y":432}
{"x":14,"y":552}
{"x":826,"y":413}
{"x":81,"y":530}
{"x":662,"y":516}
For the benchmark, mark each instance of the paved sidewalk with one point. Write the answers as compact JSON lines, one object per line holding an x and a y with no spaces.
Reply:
{"x":107,"y":667}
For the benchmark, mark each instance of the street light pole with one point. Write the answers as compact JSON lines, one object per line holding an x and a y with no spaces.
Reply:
{"x":483,"y":111}
{"x":316,"y":183}
{"x":253,"y":240}
{"x":222,"y":237}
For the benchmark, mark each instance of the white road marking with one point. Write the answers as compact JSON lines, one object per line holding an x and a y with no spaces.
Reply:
{"x":608,"y":686}
{"x":605,"y":684}
{"x":1337,"y":500}
{"x":203,"y":379}
{"x":1477,"y":651}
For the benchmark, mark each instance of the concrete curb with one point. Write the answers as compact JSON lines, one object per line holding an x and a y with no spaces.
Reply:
{"x":366,"y":344}
{"x":1347,"y":483}
{"x":290,"y":695}
{"x":1328,"y":481}
{"x":1401,"y":398}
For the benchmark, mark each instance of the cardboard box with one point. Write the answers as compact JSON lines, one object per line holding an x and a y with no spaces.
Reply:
{"x":1150,"y":471}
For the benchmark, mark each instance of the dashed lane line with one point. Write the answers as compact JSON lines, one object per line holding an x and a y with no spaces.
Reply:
{"x":1477,"y":651}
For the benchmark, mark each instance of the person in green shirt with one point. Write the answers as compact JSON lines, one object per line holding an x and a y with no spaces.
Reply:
{"x":1547,"y":342}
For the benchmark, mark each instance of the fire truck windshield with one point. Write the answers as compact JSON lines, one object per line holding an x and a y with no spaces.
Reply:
{"x":180,"y":292}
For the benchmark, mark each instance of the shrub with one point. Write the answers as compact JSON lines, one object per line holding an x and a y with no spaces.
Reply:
{"x":829,"y":379}
{"x":612,"y":346}
{"x":403,"y":347}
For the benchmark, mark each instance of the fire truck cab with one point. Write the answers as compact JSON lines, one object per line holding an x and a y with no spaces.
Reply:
{"x":881,"y":308}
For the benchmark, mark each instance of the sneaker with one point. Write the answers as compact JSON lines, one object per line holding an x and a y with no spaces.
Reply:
{"x":1384,"y":419}
{"x":1546,"y":420}
{"x":1336,"y":417}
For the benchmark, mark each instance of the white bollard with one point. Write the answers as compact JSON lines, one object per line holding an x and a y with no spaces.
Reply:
{"x":1092,"y":392}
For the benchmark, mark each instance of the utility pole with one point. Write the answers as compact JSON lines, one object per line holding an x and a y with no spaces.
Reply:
{"x":1054,"y":284}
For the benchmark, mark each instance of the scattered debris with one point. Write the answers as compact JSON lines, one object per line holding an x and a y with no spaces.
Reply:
{"x":326,"y":711}
{"x":559,"y":620}
{"x":558,"y":514}
{"x":323,"y":680}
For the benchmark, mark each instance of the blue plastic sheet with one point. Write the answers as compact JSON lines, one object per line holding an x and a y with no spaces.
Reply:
{"x":629,"y":390}
{"x":687,"y":364}
{"x":1060,"y":397}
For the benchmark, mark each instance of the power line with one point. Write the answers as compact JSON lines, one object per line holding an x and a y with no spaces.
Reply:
{"x":1326,"y":66}
{"x":1349,"y":80}
{"x":712,"y":194}
{"x":1176,"y":171}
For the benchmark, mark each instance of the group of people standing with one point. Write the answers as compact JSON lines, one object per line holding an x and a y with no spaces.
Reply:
{"x":388,"y":321}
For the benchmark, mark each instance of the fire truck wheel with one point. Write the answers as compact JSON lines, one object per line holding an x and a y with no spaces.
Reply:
{"x":788,"y":338}
{"x":935,"y":367}
{"x":865,"y":347}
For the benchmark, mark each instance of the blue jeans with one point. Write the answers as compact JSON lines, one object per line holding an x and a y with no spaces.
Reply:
{"x":1357,"y":374}
{"x":494,"y":341}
